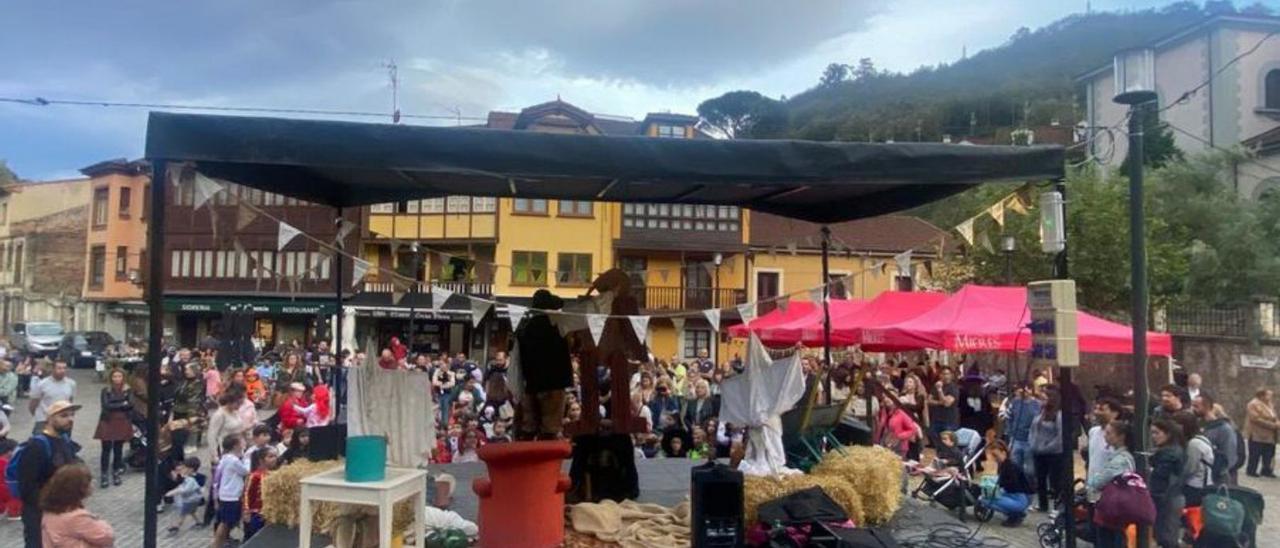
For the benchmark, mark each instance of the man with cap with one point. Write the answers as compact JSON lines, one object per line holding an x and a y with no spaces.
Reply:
{"x":45,"y":452}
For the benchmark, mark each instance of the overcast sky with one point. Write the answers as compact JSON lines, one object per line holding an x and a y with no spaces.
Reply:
{"x":621,"y":57}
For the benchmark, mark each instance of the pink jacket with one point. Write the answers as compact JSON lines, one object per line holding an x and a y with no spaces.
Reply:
{"x":900,"y":424}
{"x":76,"y":529}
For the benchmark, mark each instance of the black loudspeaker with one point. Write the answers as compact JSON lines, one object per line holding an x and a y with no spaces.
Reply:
{"x":327,"y":442}
{"x":853,"y":432}
{"x":716,"y":506}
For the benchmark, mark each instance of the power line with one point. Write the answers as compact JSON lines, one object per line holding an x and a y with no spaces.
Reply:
{"x":43,"y":101}
{"x":1187,"y":94}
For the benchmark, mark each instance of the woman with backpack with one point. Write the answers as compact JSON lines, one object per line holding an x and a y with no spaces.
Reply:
{"x":1121,"y":462}
{"x":1166,"y":482}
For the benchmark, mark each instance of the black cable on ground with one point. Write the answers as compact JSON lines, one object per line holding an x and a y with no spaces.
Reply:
{"x":952,"y":536}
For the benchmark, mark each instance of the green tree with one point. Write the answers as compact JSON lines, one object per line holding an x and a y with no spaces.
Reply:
{"x":744,"y":115}
{"x":834,"y":74}
{"x":1158,"y":147}
{"x":7,"y":176}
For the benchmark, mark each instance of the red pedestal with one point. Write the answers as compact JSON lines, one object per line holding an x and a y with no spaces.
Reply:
{"x":522,"y":500}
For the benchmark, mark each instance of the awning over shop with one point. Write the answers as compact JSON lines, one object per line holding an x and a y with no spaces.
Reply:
{"x":418,"y":306}
{"x":260,"y":306}
{"x":352,"y":164}
{"x":993,"y":319}
{"x":128,"y":309}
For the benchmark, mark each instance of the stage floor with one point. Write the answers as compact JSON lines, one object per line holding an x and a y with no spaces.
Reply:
{"x":662,"y":481}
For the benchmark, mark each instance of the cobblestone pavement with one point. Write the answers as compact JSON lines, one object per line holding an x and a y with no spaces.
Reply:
{"x":123,"y":506}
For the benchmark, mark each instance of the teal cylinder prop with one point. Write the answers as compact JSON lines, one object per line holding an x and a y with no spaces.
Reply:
{"x":366,"y":458}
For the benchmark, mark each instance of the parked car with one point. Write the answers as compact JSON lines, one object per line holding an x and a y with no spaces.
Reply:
{"x":85,"y":349}
{"x":35,"y":338}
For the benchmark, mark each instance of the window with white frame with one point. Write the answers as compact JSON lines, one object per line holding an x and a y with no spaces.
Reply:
{"x":432,"y":205}
{"x":389,"y":207}
{"x":484,"y":204}
{"x":696,"y":340}
{"x":459,"y":204}
{"x":669,"y":131}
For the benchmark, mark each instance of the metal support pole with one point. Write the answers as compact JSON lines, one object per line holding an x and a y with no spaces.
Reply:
{"x":339,"y":374}
{"x":1138,"y":281}
{"x":155,"y":346}
{"x":413,"y":288}
{"x":826,"y":313}
{"x":1069,"y":391}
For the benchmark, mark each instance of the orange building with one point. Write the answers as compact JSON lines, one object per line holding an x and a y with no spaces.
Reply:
{"x":116,"y":244}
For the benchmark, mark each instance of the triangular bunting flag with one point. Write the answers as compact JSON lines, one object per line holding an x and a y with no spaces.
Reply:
{"x":678,"y":324}
{"x":286,"y":234}
{"x":345,"y":228}
{"x":439,"y":296}
{"x":640,"y":324}
{"x":904,"y":262}
{"x":985,"y":242}
{"x":665,"y":274}
{"x":815,"y":294}
{"x":747,"y":312}
{"x":595,"y":323}
{"x":1014,"y":203}
{"x":516,"y":313}
{"x":358,"y":269}
{"x":244,"y":216}
{"x":398,"y":289}
{"x":395,"y":246}
{"x":784,"y":302}
{"x":536,"y":273}
{"x":205,"y":189}
{"x":713,"y":317}
{"x":791,"y":248}
{"x":479,"y":307}
{"x":997,"y":212}
{"x":966,"y":230}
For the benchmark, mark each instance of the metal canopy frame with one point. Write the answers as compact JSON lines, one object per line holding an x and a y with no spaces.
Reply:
{"x":344,"y":164}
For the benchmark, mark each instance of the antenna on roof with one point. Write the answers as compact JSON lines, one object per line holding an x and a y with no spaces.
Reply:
{"x":393,"y":74}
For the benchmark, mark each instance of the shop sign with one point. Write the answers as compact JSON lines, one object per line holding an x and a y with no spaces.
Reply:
{"x":1258,"y":362}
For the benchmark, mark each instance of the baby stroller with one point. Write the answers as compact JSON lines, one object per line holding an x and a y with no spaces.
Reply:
{"x":1052,"y":534}
{"x":958,"y":490}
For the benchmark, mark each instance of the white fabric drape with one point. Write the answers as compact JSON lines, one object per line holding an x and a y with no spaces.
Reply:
{"x":395,"y":404}
{"x":757,"y":399}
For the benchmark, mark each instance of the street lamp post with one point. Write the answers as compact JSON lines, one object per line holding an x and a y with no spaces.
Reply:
{"x":715,"y":302}
{"x":1008,"y":245}
{"x":1135,"y":87}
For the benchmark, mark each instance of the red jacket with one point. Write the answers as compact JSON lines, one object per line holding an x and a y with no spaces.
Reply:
{"x":290,"y":418}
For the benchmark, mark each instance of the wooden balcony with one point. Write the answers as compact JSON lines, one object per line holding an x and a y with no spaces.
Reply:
{"x":688,"y":298}
{"x":467,"y":288}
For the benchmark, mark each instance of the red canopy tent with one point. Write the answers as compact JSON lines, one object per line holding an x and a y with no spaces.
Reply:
{"x":887,"y":308}
{"x":986,"y":319}
{"x":801,"y":322}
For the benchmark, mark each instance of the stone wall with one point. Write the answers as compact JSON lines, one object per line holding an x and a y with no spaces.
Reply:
{"x":1217,"y":360}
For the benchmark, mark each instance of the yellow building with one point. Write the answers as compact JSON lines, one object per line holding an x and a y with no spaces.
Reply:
{"x":683,"y":258}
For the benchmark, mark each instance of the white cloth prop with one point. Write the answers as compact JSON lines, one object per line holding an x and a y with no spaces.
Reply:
{"x":448,"y":519}
{"x":757,"y":399}
{"x":395,"y":404}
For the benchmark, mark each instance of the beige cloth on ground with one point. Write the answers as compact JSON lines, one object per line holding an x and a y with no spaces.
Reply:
{"x":632,"y":524}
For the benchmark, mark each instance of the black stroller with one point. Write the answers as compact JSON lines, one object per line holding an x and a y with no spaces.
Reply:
{"x":960,"y":490}
{"x":1052,"y":534}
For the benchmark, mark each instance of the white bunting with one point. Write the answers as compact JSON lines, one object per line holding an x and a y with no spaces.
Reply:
{"x":595,"y":323}
{"x":784,"y":302}
{"x":640,"y":324}
{"x":904,"y":262}
{"x":287,"y":234}
{"x":997,"y":212}
{"x":678,"y":324}
{"x":747,"y":312}
{"x":358,"y":269}
{"x":479,"y":307}
{"x":205,"y":189}
{"x":516,"y":313}
{"x":713,"y":317}
{"x":439,"y":296}
{"x":397,"y":291}
{"x":815,"y":294}
{"x":966,"y":231}
{"x":344,"y":229}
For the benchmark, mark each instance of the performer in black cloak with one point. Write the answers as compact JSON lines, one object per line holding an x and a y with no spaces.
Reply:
{"x":546,"y":369}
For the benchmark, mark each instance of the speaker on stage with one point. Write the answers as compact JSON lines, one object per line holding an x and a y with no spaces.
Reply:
{"x":716,"y":506}
{"x":327,"y":442}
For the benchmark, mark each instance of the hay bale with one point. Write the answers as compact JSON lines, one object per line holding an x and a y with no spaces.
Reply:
{"x":282,"y":498}
{"x":875,"y":474}
{"x":759,"y":490}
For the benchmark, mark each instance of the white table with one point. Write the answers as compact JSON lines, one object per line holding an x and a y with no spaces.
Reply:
{"x":400,"y":484}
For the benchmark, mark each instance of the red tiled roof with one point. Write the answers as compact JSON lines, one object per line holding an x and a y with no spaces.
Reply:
{"x":887,"y":233}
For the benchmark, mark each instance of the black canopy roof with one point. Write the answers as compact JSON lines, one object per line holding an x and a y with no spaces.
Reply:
{"x":353,"y":164}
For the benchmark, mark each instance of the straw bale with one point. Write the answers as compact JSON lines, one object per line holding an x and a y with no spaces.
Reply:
{"x":874,"y":472}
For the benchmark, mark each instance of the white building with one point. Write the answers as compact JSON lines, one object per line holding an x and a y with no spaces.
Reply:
{"x":1229,"y":67}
